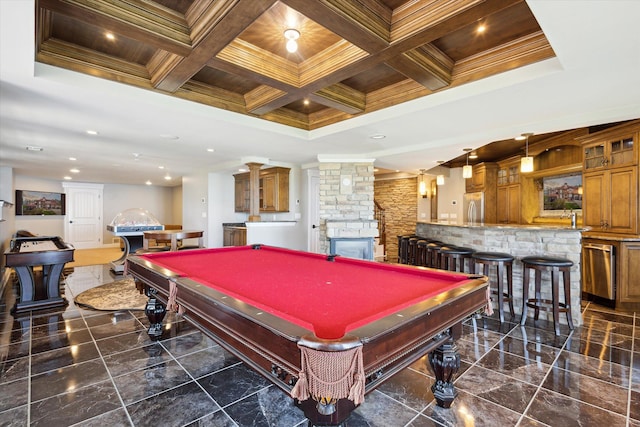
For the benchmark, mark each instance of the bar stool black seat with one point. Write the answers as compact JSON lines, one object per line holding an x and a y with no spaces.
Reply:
{"x":555,"y":266}
{"x":453,"y":258}
{"x":502,"y":262}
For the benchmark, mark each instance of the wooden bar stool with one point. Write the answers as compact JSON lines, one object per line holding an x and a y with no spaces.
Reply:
{"x":453,"y":258}
{"x":403,"y":248}
{"x":421,"y":256}
{"x":433,"y":254}
{"x":555,"y":266}
{"x":412,"y":251}
{"x":501,"y":261}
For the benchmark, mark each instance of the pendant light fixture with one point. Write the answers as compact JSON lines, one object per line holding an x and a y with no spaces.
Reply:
{"x":292,"y":35}
{"x":467,"y":170}
{"x":526,"y":163}
{"x":422,"y":187}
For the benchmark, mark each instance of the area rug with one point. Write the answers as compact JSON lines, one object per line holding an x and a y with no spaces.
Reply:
{"x":118,"y":295}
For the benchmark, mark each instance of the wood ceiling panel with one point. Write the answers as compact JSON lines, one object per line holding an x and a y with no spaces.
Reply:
{"x":354,"y":56}
{"x":374,"y":79}
{"x":180,"y":6}
{"x":94,"y":38}
{"x":501,"y":27}
{"x":230,"y":82}
{"x":267,"y":33}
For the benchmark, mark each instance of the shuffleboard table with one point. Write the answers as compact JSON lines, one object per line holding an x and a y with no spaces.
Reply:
{"x":325,"y":329}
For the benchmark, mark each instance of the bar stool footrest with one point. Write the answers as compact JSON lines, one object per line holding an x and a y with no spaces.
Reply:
{"x":547,"y":305}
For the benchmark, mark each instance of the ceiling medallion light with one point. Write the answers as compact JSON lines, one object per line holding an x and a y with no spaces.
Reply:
{"x":467,"y":170}
{"x":526,"y":163}
{"x":291,"y":35}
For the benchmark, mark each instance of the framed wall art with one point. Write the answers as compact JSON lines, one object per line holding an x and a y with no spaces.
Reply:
{"x":39,"y":203}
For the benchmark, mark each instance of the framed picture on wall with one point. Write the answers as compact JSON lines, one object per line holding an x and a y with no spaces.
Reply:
{"x":562,"y":193}
{"x":39,"y":203}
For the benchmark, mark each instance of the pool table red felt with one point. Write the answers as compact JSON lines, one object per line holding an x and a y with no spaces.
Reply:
{"x":329,"y":298}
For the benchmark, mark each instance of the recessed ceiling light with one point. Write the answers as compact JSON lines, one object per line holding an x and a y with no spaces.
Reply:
{"x":92,"y":132}
{"x":34,"y":148}
{"x":378,"y":136}
{"x":169,"y":136}
{"x":74,"y":170}
{"x":211,"y":150}
{"x":167,"y":177}
{"x":110,"y":36}
{"x":67,"y":177}
{"x":148,"y":182}
{"x":160,"y":167}
{"x":481,"y":28}
{"x":73,"y":159}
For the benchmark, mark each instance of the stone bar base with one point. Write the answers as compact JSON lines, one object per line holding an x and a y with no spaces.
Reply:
{"x":519,"y":241}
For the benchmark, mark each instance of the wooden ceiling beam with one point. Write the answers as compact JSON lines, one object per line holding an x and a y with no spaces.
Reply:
{"x":341,"y":97}
{"x":225,"y":20}
{"x":364,"y":23}
{"x":135,"y":19}
{"x":426,"y":65}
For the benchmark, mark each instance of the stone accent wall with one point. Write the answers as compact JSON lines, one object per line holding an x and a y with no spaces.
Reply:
{"x":346,"y":201}
{"x":398,"y":197}
{"x":520,"y":242}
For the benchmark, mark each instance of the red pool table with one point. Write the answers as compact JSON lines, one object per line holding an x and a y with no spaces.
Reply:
{"x":326,"y":329}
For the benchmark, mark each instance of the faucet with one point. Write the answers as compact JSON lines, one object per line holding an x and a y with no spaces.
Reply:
{"x":571,"y":215}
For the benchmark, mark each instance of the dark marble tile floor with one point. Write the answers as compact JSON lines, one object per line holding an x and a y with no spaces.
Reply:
{"x":89,"y":368}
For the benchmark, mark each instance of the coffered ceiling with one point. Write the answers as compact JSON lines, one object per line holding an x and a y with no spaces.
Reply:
{"x":353,"y":57}
{"x":190,"y":87}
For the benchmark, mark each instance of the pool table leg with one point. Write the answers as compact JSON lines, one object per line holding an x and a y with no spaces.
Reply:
{"x":445,"y":362}
{"x":155,"y":311}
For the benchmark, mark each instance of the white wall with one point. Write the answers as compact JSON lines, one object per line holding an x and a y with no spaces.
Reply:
{"x":450,"y":198}
{"x":221,"y":209}
{"x":118,"y":197}
{"x":42,"y":225}
{"x":7,"y":226}
{"x":195,"y":203}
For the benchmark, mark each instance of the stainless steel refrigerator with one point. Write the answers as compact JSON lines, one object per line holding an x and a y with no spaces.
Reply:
{"x":473,"y":206}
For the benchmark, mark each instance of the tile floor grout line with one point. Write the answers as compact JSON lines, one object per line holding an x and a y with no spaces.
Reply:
{"x":106,"y":367}
{"x":29,"y":369}
{"x":629,"y":392}
{"x":545,"y":378}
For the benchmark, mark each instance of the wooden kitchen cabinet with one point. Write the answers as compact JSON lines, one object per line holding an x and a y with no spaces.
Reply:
{"x":629,"y":275}
{"x":508,"y":203}
{"x":234,"y":236}
{"x":484,"y":177}
{"x":610,"y":200}
{"x":610,"y":179}
{"x":242,"y":193}
{"x":274,"y":190}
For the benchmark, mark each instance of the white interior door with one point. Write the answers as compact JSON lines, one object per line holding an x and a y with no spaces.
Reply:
{"x":83,"y":221}
{"x":313,"y":244}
